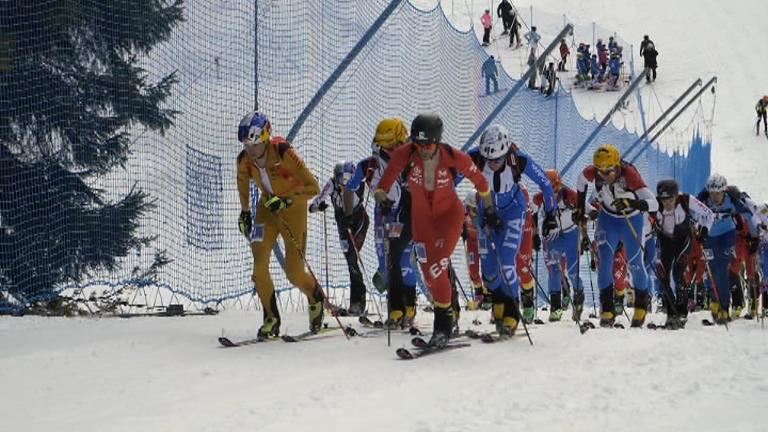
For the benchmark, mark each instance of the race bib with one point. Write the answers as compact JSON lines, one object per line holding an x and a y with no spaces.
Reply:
{"x":395,"y":230}
{"x":257,"y":233}
{"x":708,"y":254}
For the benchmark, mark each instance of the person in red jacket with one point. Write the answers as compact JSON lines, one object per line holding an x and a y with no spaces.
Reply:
{"x":482,"y":296}
{"x":564,"y":53}
{"x":430,"y":167}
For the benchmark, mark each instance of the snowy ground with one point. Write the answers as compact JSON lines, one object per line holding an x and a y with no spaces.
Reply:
{"x":126,"y":375}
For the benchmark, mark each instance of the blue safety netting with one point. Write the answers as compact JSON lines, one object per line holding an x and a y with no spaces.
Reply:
{"x":231,"y":56}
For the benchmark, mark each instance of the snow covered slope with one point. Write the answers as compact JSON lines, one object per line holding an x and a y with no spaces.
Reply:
{"x":168,"y":374}
{"x":695,"y":38}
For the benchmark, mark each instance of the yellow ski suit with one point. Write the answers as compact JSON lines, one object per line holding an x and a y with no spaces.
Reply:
{"x":287,"y":177}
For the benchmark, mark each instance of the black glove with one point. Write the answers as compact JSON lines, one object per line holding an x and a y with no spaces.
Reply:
{"x":593,"y":264}
{"x":752,"y":244}
{"x":593,"y":214}
{"x":385,"y":206}
{"x":578,"y":217}
{"x":549,"y":225}
{"x":464,"y":233}
{"x":492,"y":220}
{"x":536,"y":241}
{"x":318,"y":207}
{"x":586,"y":243}
{"x":277,"y":203}
{"x":347,"y":222}
{"x":623,"y":205}
{"x":244,"y":223}
{"x":703,"y":233}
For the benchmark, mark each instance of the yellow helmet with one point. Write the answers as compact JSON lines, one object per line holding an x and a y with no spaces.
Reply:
{"x":607,"y":156}
{"x":390,"y":132}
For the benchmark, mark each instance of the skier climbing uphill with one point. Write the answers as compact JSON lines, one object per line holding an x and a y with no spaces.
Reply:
{"x":430,"y":168}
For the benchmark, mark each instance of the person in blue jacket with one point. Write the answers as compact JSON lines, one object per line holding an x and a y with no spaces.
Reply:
{"x":501,"y":231}
{"x":730,"y":212}
{"x":490,"y":72}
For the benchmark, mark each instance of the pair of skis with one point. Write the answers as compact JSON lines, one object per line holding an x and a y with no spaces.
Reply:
{"x":307,"y":335}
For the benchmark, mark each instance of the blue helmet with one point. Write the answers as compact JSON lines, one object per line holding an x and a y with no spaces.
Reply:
{"x":254,"y":127}
{"x":343,"y":172}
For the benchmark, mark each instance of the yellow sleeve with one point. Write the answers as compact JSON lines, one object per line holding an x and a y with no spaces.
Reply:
{"x":296,"y":166}
{"x":243,"y":182}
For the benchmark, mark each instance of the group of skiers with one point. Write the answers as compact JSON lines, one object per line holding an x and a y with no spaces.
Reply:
{"x":604,"y":65}
{"x":715,"y":242}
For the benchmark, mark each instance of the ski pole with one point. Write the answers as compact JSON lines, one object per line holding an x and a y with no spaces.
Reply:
{"x":326,"y":301}
{"x":504,"y":278}
{"x":365,"y":272}
{"x":325,"y":241}
{"x":711,"y":278}
{"x":540,"y":287}
{"x":591,"y":257}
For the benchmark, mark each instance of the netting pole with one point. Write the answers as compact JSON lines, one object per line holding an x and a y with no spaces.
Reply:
{"x":593,"y":33}
{"x":256,"y":54}
{"x":672,"y":120}
{"x":658,"y":121}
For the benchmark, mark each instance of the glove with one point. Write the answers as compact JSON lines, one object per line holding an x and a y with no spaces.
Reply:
{"x":549,"y":226}
{"x":536,"y":242}
{"x":578,"y":217}
{"x":593,"y":264}
{"x":347,"y":222}
{"x":318,"y":207}
{"x":623,"y":205}
{"x":464,"y":233}
{"x":586,"y":243}
{"x":703,"y":233}
{"x":244,"y":223}
{"x":593,"y":214}
{"x":275,"y":204}
{"x":492,"y":220}
{"x":752,"y":244}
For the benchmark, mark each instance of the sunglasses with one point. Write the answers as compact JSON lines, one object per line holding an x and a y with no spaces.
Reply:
{"x":607,"y":172}
{"x":428,"y":147}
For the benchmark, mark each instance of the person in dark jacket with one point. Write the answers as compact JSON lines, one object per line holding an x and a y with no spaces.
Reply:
{"x":504,"y":11}
{"x":761,"y":108}
{"x":514,"y":31}
{"x":649,"y":53}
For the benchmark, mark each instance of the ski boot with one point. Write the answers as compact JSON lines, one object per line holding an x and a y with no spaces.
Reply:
{"x":556,"y":308}
{"x":409,"y":318}
{"x":578,"y":306}
{"x":736,"y":312}
{"x":618,"y":302}
{"x":270,"y":328}
{"x":673,"y":323}
{"x":607,"y":319}
{"x":356,"y":308}
{"x":316,"y":316}
{"x":642,"y":302}
{"x":442,"y":327}
{"x":526,"y":298}
{"x":528,"y":314}
{"x":722,"y":317}
{"x":714,"y":308}
{"x":395,"y":320}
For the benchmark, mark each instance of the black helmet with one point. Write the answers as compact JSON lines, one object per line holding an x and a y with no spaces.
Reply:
{"x":427,"y":129}
{"x":666,"y":189}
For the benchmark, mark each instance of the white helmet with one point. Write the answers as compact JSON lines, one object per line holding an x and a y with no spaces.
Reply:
{"x":717,"y":183}
{"x":495,"y":143}
{"x":471,"y":199}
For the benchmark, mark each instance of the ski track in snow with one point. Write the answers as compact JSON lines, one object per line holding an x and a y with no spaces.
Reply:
{"x":169,"y":374}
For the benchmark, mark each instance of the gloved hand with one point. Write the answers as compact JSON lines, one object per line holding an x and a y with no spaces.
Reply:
{"x":752,"y":244}
{"x":464,"y":233}
{"x":625,"y":205}
{"x":536,"y":242}
{"x":244,"y":223}
{"x":578,"y":217}
{"x":318,"y":207}
{"x":276,"y":203}
{"x":347,"y":222}
{"x":549,"y":226}
{"x":593,"y":214}
{"x":703,"y":234}
{"x":492,"y":220}
{"x":593,"y":264}
{"x":381,"y":198}
{"x":586,"y":243}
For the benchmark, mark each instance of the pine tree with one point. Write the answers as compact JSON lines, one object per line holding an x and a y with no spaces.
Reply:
{"x":71,"y":90}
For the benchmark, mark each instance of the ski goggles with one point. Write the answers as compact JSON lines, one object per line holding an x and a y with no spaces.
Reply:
{"x":607,"y":172}
{"x":427,"y":147}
